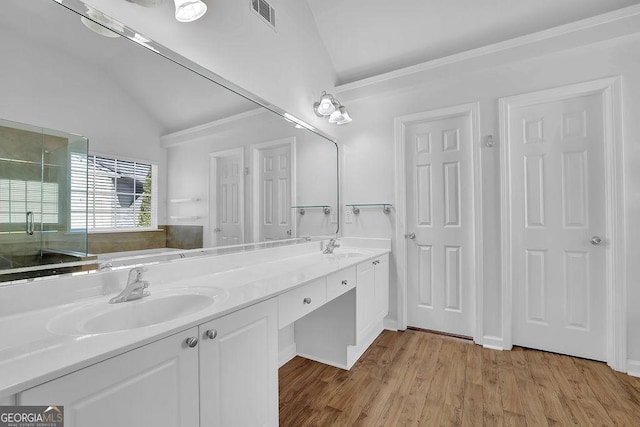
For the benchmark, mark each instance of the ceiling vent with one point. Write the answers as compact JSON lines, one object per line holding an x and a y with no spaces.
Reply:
{"x":264,"y":9}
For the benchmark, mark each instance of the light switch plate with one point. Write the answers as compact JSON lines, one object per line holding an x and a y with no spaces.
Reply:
{"x":348,"y":216}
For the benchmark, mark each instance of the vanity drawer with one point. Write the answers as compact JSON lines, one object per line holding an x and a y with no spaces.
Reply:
{"x":340,"y":282}
{"x":299,"y":302}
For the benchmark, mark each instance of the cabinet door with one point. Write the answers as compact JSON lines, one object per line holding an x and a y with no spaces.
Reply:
{"x":239,"y":368}
{"x":382,"y":286}
{"x":154,"y":385}
{"x":366,"y":308}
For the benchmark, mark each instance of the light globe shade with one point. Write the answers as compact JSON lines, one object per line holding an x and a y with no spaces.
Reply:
{"x":336,"y":116}
{"x":326,"y":105}
{"x":346,"y":118}
{"x":189,"y":10}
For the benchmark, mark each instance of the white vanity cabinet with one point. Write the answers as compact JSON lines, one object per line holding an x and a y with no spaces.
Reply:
{"x":381,"y":284}
{"x":341,"y":330}
{"x":372,"y":302}
{"x":154,"y":385}
{"x":239,"y":368}
{"x":222,"y":373}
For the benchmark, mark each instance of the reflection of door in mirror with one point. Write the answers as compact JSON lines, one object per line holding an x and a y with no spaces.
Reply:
{"x":227,"y":197}
{"x":273,"y":188}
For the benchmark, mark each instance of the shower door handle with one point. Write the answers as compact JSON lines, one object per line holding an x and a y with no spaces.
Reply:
{"x":30,"y":223}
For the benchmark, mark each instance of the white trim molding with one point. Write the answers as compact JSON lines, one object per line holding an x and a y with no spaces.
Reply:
{"x":617,"y":23}
{"x":633,"y":368}
{"x":609,"y":88}
{"x":202,"y":131}
{"x":493,"y":343}
{"x":400,"y":250}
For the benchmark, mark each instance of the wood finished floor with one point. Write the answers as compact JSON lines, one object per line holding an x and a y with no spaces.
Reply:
{"x":416,"y":378}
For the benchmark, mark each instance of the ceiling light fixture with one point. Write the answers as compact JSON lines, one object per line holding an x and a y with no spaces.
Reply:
{"x":329,"y":107}
{"x":189,"y":10}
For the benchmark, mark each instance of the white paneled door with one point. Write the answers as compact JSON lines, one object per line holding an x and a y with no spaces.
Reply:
{"x":272,"y":199}
{"x":227,"y":194}
{"x":556,"y":158}
{"x":440,"y":250}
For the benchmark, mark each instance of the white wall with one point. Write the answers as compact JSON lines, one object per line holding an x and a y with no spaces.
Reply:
{"x":189,"y":167}
{"x":289,"y":67}
{"x":369,"y":148}
{"x":44,"y":87}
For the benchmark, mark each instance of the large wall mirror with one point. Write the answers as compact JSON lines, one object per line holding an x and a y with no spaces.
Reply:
{"x":171,"y":146}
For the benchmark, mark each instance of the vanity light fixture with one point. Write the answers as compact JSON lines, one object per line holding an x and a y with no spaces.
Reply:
{"x":329,"y":107}
{"x":189,"y":10}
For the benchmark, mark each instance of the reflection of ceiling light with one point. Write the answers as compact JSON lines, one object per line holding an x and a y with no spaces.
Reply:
{"x":329,"y":107}
{"x":189,"y":10}
{"x":142,"y":41}
{"x":102,"y":24}
{"x":300,"y":124}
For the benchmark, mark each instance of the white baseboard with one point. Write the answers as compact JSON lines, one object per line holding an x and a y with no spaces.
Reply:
{"x":633,"y":367}
{"x":390,"y":324}
{"x":286,"y":354}
{"x":493,"y":343}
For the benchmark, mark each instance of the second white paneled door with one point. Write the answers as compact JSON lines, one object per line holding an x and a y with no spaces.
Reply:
{"x":556,"y":160}
{"x":273,"y":190}
{"x":440,"y":251}
{"x":227,"y":197}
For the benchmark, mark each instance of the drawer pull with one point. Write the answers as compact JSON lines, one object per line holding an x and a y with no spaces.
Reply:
{"x":307,"y":300}
{"x":192,"y":341}
{"x":211,"y":333}
{"x":345,"y":283}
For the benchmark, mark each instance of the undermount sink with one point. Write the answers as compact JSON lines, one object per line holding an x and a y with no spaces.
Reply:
{"x":160,"y":307}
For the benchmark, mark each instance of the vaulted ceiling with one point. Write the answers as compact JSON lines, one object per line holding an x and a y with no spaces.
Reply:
{"x":369,"y":37}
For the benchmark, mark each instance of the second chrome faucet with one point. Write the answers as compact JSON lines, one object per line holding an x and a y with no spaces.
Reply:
{"x":135,"y":288}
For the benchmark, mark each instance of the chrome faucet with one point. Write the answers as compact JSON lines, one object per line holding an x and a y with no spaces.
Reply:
{"x":331,"y":246}
{"x":135,"y":288}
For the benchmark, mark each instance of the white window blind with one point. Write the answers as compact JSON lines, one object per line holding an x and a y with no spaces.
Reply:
{"x":119,"y":193}
{"x":17,"y":197}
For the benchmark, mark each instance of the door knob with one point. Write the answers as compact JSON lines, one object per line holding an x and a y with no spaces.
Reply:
{"x":595,"y":240}
{"x":410,"y":236}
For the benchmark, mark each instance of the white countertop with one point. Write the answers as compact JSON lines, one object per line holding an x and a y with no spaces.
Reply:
{"x":30,"y":353}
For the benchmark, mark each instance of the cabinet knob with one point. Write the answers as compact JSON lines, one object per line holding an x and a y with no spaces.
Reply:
{"x":376,"y":262}
{"x":192,"y":341}
{"x":307,"y":300}
{"x":345,"y":283}
{"x":211,"y":333}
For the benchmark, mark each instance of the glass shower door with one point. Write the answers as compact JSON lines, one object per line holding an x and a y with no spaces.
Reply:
{"x":43,"y":183}
{"x":21,"y":149}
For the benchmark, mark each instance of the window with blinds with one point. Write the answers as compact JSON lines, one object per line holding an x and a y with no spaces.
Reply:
{"x":119,"y":194}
